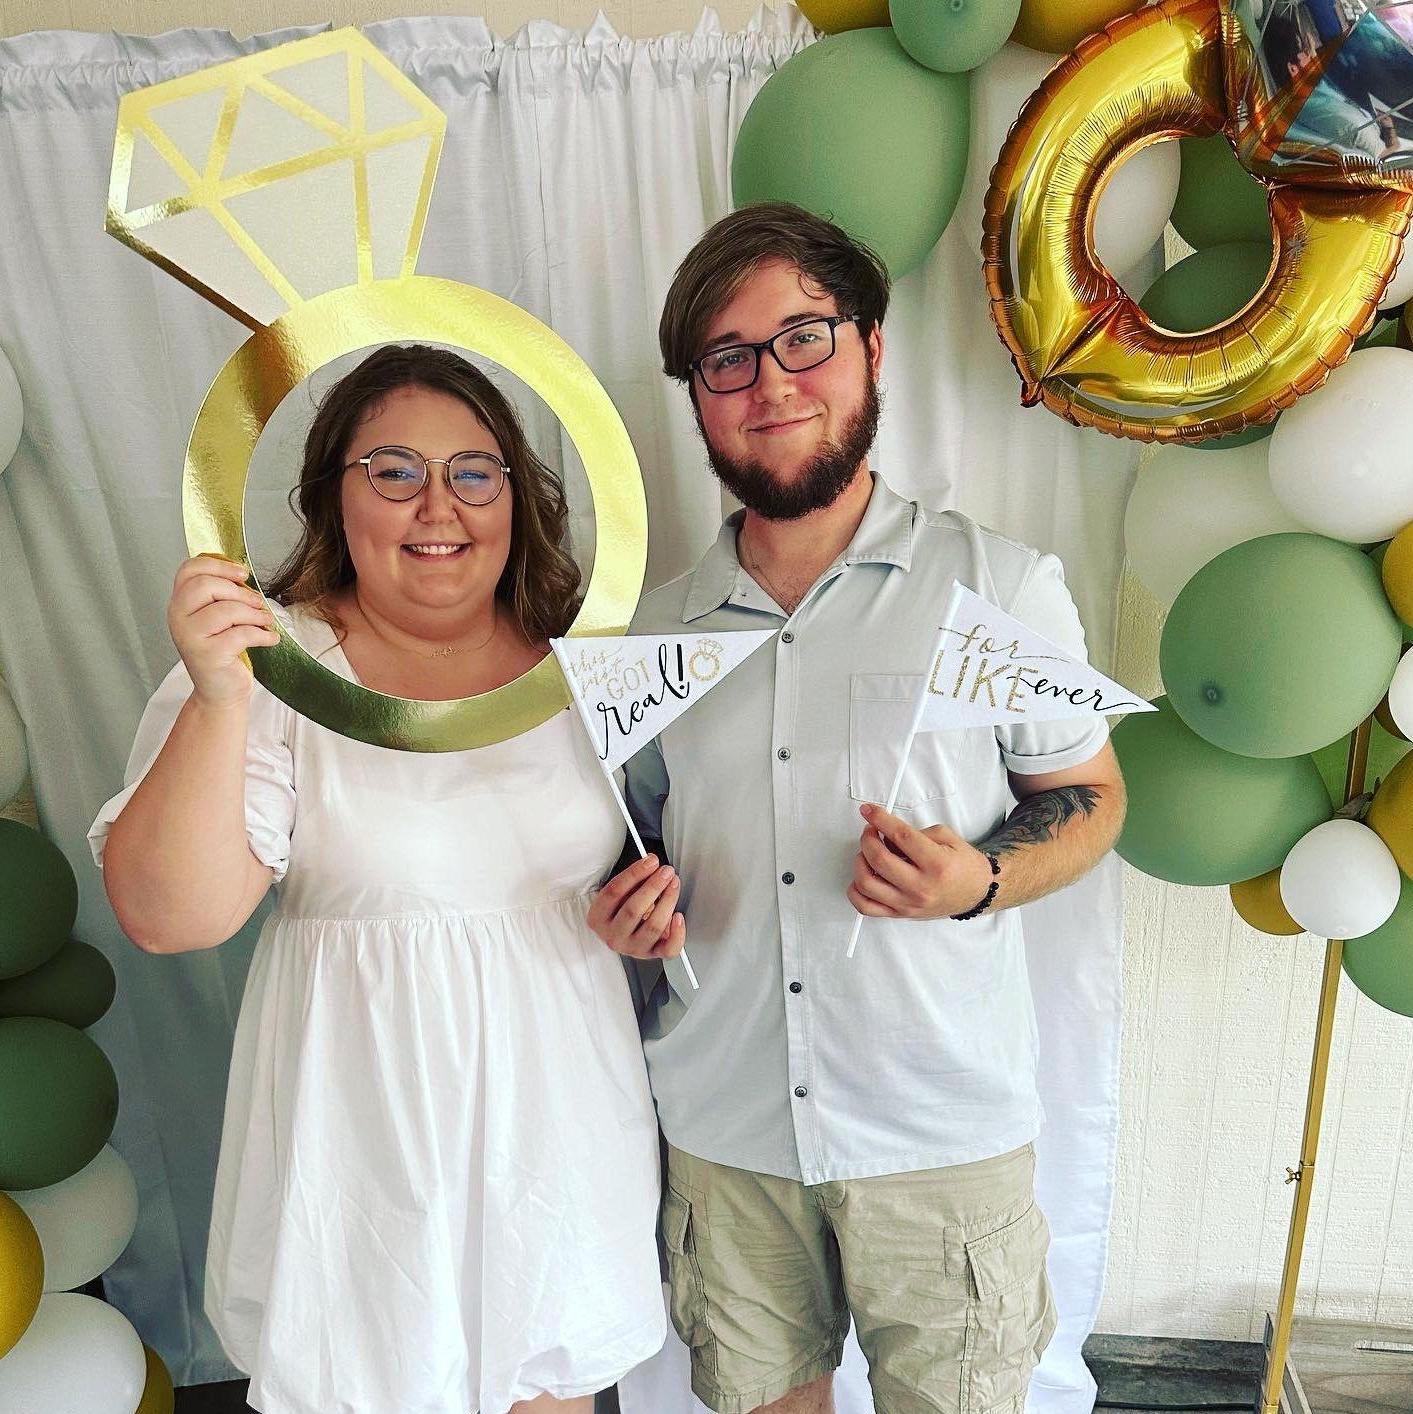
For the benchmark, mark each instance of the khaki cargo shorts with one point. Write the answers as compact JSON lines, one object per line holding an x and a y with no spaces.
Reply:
{"x":942,"y":1271}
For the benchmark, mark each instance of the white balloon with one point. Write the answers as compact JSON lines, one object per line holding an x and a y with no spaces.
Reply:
{"x":1400,"y":288}
{"x":1187,"y":506}
{"x":12,"y":412}
{"x":1400,"y":696}
{"x":1341,"y":458}
{"x":83,"y":1222}
{"x":1134,"y":207}
{"x":1340,"y":880}
{"x":14,"y":757}
{"x":79,"y":1354}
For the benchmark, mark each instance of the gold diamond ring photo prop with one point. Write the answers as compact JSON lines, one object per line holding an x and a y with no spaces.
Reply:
{"x":291,"y":188}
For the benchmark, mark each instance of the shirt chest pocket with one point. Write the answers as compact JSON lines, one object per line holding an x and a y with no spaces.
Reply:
{"x":880,"y":711}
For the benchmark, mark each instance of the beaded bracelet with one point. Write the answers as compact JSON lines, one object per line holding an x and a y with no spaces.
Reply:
{"x":990,"y":893}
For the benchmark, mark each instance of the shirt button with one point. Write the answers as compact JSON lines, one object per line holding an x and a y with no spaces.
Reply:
{"x":800,"y":1092}
{"x":797,"y":986}
{"x":787,"y":637}
{"x":784,"y":753}
{"x":787,"y":877}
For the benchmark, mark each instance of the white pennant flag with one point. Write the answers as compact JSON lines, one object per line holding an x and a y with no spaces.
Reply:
{"x":629,"y":689}
{"x":989,"y":668}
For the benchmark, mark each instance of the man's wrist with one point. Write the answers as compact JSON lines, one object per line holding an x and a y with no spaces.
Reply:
{"x":992,"y":889}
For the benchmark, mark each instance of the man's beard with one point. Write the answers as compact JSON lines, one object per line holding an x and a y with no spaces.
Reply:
{"x":820,"y":482}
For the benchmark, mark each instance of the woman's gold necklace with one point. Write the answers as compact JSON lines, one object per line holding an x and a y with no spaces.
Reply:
{"x":447,"y":651}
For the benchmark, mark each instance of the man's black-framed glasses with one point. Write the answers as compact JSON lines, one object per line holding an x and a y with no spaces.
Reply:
{"x":736,"y":367}
{"x":400,"y":473}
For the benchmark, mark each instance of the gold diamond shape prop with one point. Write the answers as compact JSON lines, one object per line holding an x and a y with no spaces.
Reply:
{"x":273,"y":178}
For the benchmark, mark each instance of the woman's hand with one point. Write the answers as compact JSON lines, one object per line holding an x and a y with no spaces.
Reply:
{"x":634,"y":912}
{"x":214,"y":616}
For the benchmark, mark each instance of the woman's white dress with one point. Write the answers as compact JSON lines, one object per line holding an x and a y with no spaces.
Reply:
{"x":438,"y":1181}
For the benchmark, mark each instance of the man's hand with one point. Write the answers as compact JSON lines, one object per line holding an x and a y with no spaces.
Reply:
{"x":634,"y":912}
{"x":904,"y":872}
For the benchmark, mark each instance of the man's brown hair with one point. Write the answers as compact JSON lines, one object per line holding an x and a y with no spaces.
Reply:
{"x":726,"y":256}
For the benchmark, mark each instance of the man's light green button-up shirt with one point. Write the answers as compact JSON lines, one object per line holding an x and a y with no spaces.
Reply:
{"x":919,"y":1051}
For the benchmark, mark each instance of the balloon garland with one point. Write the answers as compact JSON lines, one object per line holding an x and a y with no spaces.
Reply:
{"x":69,"y":1203}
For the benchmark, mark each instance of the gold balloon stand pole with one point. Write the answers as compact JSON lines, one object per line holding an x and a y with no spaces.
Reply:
{"x":1278,"y":1355}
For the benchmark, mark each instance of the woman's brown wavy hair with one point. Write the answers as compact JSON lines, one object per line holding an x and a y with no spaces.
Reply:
{"x":540,"y":584}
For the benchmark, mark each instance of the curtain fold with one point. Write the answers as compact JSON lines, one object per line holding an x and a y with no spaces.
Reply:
{"x":577,"y":171}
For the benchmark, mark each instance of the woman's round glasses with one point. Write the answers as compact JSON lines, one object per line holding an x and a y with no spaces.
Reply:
{"x":400,"y":473}
{"x":736,"y":367}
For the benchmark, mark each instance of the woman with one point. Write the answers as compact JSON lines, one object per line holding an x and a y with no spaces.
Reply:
{"x":437,"y":1186}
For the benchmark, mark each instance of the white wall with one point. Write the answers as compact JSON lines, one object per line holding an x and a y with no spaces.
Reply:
{"x":1220,"y":1018}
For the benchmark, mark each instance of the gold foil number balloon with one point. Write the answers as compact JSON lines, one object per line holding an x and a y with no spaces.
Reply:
{"x":1081,"y":345}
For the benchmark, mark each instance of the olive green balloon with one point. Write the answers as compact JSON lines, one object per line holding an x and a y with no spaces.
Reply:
{"x":854,"y":130}
{"x":1197,"y":815}
{"x":38,"y":899}
{"x":58,"y":1101}
{"x":1203,"y":290}
{"x":953,"y":36}
{"x":1218,"y":200}
{"x":1385,"y":752}
{"x":1376,"y":554}
{"x":1280,"y":645}
{"x":76,"y":986}
{"x":1380,"y":963}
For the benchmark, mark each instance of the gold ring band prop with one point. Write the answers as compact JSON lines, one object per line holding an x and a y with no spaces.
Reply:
{"x":1081,"y":345}
{"x":277,"y":359}
{"x":290,"y":188}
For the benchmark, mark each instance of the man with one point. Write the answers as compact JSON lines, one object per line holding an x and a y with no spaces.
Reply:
{"x":846,"y":1138}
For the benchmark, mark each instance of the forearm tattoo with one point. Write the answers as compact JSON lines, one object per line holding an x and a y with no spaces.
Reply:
{"x":1041,"y":817}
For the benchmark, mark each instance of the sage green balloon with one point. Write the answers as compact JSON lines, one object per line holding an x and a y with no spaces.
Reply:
{"x":1385,"y":752}
{"x":76,"y":986}
{"x":1203,"y":290}
{"x":953,"y":36}
{"x":1208,"y":286}
{"x":1380,"y":963}
{"x":1218,"y":200}
{"x":38,"y":899}
{"x":854,"y":130}
{"x":58,"y":1101}
{"x":1280,"y":645}
{"x":1197,"y":815}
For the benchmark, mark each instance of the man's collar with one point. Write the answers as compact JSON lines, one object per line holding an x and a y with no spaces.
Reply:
{"x":884,"y":536}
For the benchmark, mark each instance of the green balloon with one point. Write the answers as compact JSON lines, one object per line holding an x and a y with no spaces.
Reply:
{"x":58,"y":1101}
{"x":76,"y":986}
{"x":1197,"y":815}
{"x":1208,"y":287}
{"x":1383,"y":335}
{"x":1218,"y":200}
{"x":1380,"y":963}
{"x":854,"y":130}
{"x":953,"y":36}
{"x":1203,"y":290}
{"x":1385,"y":752}
{"x":38,"y":899}
{"x":1280,"y":645}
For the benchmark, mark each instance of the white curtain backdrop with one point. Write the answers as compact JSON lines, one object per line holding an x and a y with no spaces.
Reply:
{"x":578,"y":169}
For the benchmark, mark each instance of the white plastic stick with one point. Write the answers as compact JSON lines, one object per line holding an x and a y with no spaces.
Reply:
{"x":618,"y":798}
{"x":918,"y":708}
